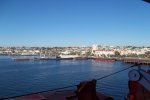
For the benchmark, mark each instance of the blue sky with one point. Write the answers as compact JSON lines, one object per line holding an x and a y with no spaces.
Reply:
{"x":74,"y":22}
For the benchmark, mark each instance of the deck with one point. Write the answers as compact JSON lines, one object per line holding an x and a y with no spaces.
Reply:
{"x":57,"y":95}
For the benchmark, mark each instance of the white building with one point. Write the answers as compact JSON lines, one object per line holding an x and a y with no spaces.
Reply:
{"x":94,"y":48}
{"x":103,"y":53}
{"x":128,"y":52}
{"x":66,"y":52}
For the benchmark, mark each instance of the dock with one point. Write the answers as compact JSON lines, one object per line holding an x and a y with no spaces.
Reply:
{"x":133,"y":60}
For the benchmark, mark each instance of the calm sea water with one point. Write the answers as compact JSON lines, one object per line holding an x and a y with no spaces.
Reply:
{"x":22,"y":77}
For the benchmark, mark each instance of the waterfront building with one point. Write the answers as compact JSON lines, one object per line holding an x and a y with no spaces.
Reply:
{"x":94,"y":48}
{"x":104,"y":53}
{"x":66,"y":52}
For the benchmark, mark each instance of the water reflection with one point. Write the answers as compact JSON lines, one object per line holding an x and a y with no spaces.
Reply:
{"x":102,"y":64}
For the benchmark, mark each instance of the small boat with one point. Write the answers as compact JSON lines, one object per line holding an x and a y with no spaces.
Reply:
{"x":41,"y":58}
{"x":105,"y":59}
{"x":66,"y":57}
{"x":59,"y":58}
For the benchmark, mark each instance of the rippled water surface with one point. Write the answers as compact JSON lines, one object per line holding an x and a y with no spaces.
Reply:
{"x":21,"y":77}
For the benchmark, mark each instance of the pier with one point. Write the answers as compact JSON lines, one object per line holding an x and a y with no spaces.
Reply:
{"x":132,"y":60}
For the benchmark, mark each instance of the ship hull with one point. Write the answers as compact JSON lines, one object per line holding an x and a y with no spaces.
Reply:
{"x":105,"y":60}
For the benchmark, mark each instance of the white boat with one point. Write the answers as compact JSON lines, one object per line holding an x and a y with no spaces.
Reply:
{"x":68,"y":56}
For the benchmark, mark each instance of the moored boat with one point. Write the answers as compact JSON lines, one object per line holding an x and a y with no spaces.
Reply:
{"x":105,"y":59}
{"x":41,"y":58}
{"x":66,"y":57}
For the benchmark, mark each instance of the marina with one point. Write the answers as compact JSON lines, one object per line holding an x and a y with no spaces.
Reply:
{"x":50,"y":58}
{"x":131,"y":60}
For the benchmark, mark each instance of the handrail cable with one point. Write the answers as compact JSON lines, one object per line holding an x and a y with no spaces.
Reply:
{"x":69,"y":86}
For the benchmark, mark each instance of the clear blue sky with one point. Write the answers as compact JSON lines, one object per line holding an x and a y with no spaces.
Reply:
{"x":74,"y":22}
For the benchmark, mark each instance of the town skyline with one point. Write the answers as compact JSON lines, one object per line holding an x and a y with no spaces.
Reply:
{"x":94,"y":50}
{"x":51,"y":46}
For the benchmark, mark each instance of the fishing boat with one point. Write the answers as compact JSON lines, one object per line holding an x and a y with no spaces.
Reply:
{"x":105,"y":59}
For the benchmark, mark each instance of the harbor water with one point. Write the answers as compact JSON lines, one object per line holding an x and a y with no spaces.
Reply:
{"x":23,"y":77}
